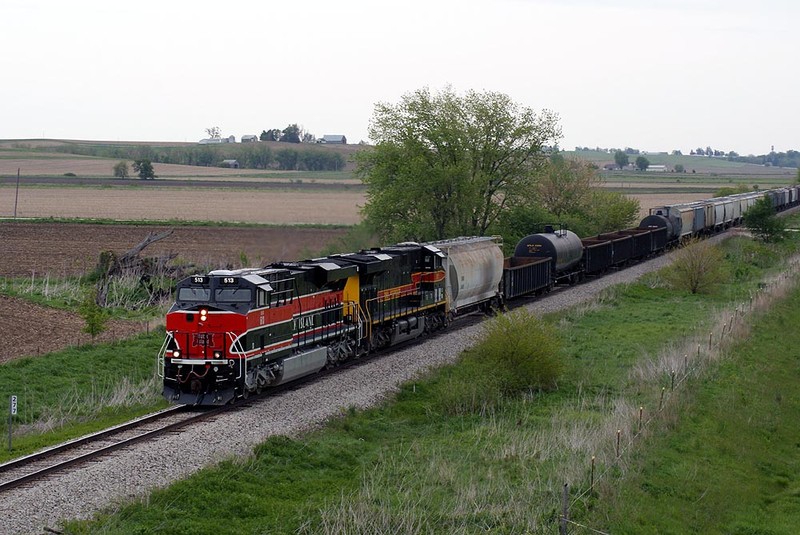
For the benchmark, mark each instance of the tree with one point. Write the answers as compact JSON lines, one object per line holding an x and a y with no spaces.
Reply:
{"x":291,"y":134}
{"x":287,"y":159}
{"x":93,"y":315}
{"x":121,"y":170}
{"x":607,"y":211}
{"x":762,"y":221}
{"x":565,"y":184}
{"x":621,"y":159}
{"x":642,"y":163}
{"x":214,"y":132}
{"x":144,"y":168}
{"x":697,"y":268}
{"x":445,"y":164}
{"x":679,"y":168}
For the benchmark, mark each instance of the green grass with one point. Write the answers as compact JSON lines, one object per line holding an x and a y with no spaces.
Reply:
{"x":411,"y":466}
{"x":79,"y":390}
{"x":731,"y":463}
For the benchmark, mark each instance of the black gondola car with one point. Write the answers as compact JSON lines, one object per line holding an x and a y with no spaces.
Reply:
{"x":597,"y":255}
{"x":524,"y":276}
{"x":621,"y":247}
{"x":642,"y":240}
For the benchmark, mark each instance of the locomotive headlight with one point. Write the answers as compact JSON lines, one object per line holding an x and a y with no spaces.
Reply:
{"x":176,"y":353}
{"x":217,"y":354}
{"x":203,"y":314}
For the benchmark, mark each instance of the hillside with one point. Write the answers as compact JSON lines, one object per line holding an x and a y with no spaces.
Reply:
{"x":696,"y":164}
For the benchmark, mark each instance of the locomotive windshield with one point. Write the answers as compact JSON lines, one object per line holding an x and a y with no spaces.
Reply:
{"x":232,"y":295}
{"x":194,"y":294}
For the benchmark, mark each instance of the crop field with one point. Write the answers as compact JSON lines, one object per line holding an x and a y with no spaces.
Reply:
{"x":269,"y":207}
{"x":277,"y":207}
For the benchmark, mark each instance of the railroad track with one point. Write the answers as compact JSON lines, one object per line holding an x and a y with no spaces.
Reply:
{"x":30,"y":468}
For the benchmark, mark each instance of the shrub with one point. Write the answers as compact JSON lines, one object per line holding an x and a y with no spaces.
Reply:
{"x":516,"y":353}
{"x":522,"y":350}
{"x":94,"y":316}
{"x":697,"y":268}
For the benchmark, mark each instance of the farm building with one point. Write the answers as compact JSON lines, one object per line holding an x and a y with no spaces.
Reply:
{"x":217,"y":140}
{"x":249,"y":138}
{"x":657,"y":168}
{"x":333,"y":139}
{"x":233,"y":164}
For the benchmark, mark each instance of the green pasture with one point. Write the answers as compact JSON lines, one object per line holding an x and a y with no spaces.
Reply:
{"x":700,"y":164}
{"x":729,"y":465}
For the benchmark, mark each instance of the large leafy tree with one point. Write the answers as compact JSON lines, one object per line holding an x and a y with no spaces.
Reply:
{"x":145,"y":169}
{"x":291,"y":134}
{"x":446,"y":164}
{"x":566,"y":184}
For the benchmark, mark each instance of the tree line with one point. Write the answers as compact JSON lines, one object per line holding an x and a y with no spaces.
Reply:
{"x":249,"y":155}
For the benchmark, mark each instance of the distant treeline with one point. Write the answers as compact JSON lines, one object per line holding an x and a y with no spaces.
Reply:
{"x":790,"y":158}
{"x":249,"y":155}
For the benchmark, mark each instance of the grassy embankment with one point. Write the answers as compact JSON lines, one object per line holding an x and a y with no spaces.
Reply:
{"x":419,"y":465}
{"x":729,"y":463}
{"x":80,"y":390}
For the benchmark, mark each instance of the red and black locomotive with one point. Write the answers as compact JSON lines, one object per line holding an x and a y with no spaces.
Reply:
{"x":231,"y":333}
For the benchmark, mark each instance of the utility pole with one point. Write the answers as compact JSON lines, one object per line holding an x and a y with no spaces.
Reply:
{"x":16,"y":195}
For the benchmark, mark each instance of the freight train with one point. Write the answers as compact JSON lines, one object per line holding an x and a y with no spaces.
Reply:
{"x":231,"y":333}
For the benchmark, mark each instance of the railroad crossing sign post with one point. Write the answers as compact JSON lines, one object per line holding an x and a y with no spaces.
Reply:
{"x":12,"y":411}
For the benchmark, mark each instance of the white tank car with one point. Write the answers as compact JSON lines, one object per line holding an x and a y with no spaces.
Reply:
{"x":473,"y":267}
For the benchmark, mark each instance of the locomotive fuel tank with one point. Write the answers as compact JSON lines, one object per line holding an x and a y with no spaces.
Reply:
{"x":473,"y":267}
{"x":562,"y":247}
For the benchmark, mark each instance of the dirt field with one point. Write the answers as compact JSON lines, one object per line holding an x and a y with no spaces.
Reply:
{"x":63,"y":249}
{"x":279,"y":207}
{"x":64,"y":329}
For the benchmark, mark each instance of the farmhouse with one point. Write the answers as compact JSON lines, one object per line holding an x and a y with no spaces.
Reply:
{"x":249,"y":138}
{"x":333,"y":139}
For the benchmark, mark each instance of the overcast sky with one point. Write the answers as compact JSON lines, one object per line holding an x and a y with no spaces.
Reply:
{"x":657,"y":75}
